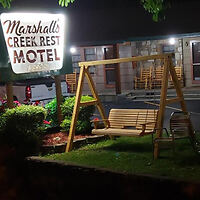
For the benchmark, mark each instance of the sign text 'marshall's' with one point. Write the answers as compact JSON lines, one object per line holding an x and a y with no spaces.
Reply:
{"x":16,"y":27}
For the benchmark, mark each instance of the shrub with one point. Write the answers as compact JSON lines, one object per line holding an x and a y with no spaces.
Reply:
{"x":85,"y":113}
{"x":82,"y":127}
{"x":4,"y":105}
{"x":52,"y":117}
{"x":21,"y":127}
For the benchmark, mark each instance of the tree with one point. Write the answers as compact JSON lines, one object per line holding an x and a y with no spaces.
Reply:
{"x":155,"y":7}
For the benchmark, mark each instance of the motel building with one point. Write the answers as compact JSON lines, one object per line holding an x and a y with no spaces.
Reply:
{"x":120,"y":78}
{"x":120,"y":31}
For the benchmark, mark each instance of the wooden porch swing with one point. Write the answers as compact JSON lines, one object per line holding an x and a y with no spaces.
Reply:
{"x":148,"y":123}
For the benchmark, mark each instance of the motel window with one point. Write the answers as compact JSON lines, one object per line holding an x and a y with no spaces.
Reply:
{"x":110,"y":69}
{"x":84,"y":54}
{"x":196,"y":61}
{"x":169,"y":49}
{"x":90,"y":55}
{"x":76,"y":58}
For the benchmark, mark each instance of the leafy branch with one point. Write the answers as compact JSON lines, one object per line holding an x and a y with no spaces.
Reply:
{"x":65,"y":2}
{"x":156,"y":8}
{"x":5,"y":3}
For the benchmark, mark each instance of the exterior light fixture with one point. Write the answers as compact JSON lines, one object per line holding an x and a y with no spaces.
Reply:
{"x":73,"y":50}
{"x":172,"y":41}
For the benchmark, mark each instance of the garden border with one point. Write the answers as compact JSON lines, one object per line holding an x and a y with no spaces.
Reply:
{"x":61,"y":180}
{"x":60,"y":148}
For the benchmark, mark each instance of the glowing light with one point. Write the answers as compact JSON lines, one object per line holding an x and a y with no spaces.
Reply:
{"x":172,"y":41}
{"x":73,"y":50}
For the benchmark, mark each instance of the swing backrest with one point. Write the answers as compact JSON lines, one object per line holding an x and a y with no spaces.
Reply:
{"x":121,"y":118}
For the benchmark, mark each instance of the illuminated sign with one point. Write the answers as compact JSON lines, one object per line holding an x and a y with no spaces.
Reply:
{"x":35,"y":41}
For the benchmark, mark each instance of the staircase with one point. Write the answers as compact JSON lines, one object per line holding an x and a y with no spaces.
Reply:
{"x":154,"y":95}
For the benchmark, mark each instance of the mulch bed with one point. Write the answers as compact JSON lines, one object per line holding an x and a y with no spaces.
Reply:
{"x":54,"y":141}
{"x":59,"y":138}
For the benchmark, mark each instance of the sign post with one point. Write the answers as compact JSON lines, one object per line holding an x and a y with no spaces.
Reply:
{"x":9,"y":91}
{"x":59,"y":98}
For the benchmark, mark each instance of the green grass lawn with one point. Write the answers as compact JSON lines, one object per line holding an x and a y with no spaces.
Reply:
{"x":134,"y":155}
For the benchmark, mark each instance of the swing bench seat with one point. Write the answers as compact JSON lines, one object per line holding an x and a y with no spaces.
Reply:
{"x":128,"y":122}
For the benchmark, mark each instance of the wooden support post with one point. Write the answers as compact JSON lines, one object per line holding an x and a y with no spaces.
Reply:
{"x":9,"y":91}
{"x":162,"y":104}
{"x":59,"y":97}
{"x":117,"y":70}
{"x":177,"y":86}
{"x":83,"y":72}
{"x":168,"y":67}
{"x":95,"y":95}
{"x":179,"y":92}
{"x":76,"y":110}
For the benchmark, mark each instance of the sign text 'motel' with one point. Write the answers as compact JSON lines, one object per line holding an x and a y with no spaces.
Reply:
{"x":35,"y":41}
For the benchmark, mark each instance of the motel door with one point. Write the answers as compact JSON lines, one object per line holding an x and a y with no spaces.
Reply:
{"x":109,"y":70}
{"x":195,"y":61}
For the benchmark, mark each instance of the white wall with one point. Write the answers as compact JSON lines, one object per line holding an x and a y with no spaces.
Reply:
{"x":126,"y":69}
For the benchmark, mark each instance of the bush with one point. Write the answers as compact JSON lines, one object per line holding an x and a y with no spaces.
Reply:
{"x":21,"y":128}
{"x":4,"y":105}
{"x":52,"y":116}
{"x":85,"y":113}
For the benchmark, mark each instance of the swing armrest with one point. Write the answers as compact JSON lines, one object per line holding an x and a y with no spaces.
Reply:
{"x":97,"y":122}
{"x":144,"y":125}
{"x":166,"y":131}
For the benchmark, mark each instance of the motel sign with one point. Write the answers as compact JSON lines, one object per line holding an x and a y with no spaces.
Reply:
{"x":35,"y":41}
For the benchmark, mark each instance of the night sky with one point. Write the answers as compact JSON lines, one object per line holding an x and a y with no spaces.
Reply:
{"x":106,"y":21}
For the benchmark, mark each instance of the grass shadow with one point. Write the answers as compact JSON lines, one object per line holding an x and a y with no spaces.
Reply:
{"x":184,"y":155}
{"x":127,"y":145}
{"x":189,"y":158}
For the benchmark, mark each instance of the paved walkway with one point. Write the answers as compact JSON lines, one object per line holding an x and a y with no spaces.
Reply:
{"x":193,"y":106}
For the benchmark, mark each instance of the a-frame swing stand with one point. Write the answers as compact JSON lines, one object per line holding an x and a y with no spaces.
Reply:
{"x":84,"y":72}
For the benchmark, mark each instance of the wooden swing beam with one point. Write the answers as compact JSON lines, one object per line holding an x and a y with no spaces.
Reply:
{"x":168,"y":68}
{"x":156,"y":104}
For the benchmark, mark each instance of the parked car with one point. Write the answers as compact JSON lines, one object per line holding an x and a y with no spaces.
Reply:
{"x":40,"y":91}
